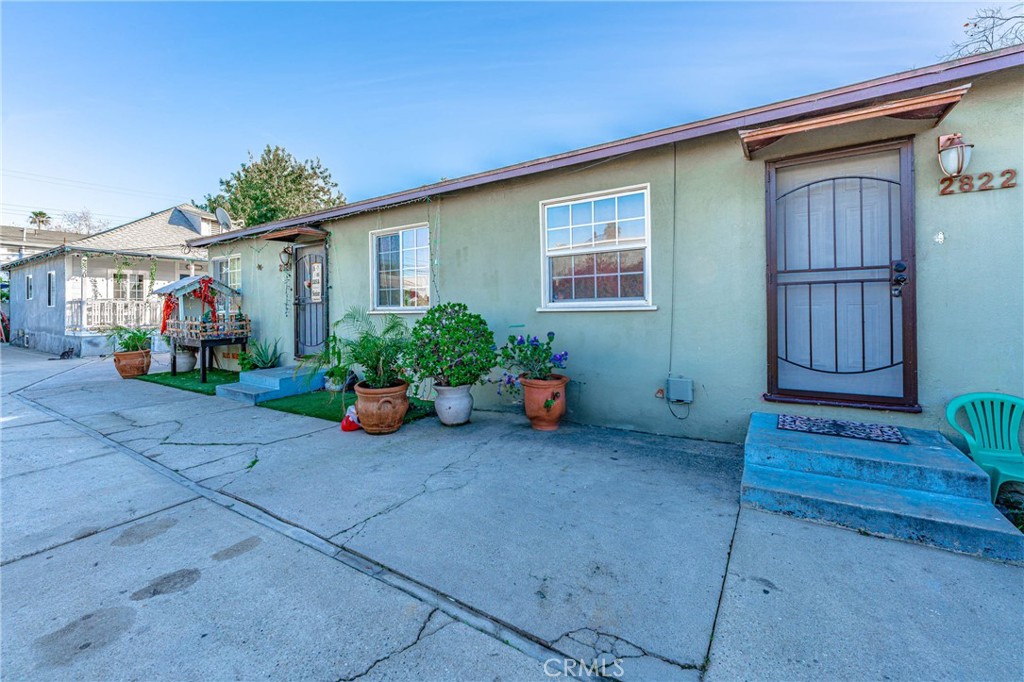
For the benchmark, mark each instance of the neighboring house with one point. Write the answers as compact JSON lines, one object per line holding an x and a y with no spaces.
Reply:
{"x":809,"y":251}
{"x":70,"y":295}
{"x":21,"y":242}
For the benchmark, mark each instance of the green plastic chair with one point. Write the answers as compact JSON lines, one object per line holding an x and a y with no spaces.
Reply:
{"x":994,"y":439}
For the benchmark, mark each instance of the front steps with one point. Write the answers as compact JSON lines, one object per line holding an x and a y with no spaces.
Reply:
{"x":260,"y":385}
{"x":926,"y":492}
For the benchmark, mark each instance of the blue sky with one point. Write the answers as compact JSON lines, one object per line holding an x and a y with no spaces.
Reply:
{"x":159,"y":101}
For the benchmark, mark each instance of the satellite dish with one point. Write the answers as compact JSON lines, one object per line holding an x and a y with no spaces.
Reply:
{"x":223,"y":218}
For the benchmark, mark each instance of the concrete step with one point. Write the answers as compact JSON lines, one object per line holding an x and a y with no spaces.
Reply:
{"x":261,"y":385}
{"x":284,"y":378}
{"x":246,"y":393}
{"x":950,"y":522}
{"x":929,"y":462}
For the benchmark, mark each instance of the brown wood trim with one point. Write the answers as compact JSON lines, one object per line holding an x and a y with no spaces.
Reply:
{"x":909,"y":401}
{"x":798,"y":400}
{"x":935,"y":105}
{"x":315,"y":234}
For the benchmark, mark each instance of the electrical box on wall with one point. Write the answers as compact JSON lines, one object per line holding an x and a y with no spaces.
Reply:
{"x":678,"y":389}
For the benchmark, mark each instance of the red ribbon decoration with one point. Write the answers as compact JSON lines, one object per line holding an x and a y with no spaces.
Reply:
{"x":170,"y":304}
{"x":208,"y":297}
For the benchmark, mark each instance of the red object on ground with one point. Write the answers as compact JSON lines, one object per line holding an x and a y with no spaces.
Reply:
{"x":351,"y":420}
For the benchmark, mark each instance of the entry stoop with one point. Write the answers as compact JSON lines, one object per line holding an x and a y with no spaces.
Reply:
{"x":926,"y":492}
{"x":260,"y":385}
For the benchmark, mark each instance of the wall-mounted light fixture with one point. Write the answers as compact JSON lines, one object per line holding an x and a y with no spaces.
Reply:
{"x":954,"y":155}
{"x":286,"y":255}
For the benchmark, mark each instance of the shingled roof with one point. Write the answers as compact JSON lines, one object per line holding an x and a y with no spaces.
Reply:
{"x":161,"y":235}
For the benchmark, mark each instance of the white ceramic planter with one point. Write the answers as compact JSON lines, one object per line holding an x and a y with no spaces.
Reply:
{"x":454,"y":404}
{"x":185,"y":361}
{"x":331,"y":384}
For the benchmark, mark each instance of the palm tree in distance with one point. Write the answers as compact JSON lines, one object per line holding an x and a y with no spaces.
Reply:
{"x":39,"y":219}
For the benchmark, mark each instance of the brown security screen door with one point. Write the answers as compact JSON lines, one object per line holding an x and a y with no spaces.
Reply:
{"x":841,"y":278}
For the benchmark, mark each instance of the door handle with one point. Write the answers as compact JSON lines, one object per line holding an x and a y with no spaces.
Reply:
{"x":898,"y":277}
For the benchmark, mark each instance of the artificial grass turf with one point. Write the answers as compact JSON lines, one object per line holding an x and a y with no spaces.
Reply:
{"x":331,"y":406}
{"x":189,"y":381}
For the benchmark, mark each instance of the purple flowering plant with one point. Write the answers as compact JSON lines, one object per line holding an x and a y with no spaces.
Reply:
{"x":530,"y":357}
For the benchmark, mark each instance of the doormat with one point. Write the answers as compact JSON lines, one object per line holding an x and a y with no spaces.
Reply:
{"x":835,"y":427}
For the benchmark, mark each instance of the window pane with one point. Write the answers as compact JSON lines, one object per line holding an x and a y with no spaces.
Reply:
{"x":582,"y":236}
{"x":422,"y":236}
{"x":561,"y":266}
{"x":422,"y":258}
{"x":558,"y":216}
{"x":631,"y":206}
{"x":424,"y":297}
{"x":558,"y":239}
{"x":608,"y":286}
{"x":604,"y":210}
{"x":631,"y":229}
{"x":607,"y":263}
{"x":382,"y":298}
{"x":561,"y":289}
{"x":387,"y":243}
{"x":583,"y":265}
{"x":605,"y":232}
{"x":583,"y":287}
{"x":582,"y":214}
{"x":631,"y":261}
{"x":632,"y":286}
{"x":408,"y":239}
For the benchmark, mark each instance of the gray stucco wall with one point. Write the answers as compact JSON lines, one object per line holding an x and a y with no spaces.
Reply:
{"x":41,"y":326}
{"x":708,"y":273}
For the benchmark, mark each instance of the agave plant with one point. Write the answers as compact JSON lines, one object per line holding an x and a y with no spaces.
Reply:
{"x":375,"y":346}
{"x":260,"y":355}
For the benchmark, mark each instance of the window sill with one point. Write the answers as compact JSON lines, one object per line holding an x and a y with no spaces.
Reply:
{"x":830,"y":402}
{"x":397,"y":311}
{"x":598,"y":309}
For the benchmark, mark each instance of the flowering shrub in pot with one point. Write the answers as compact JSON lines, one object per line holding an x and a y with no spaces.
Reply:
{"x":455,"y":349}
{"x":530,"y":366}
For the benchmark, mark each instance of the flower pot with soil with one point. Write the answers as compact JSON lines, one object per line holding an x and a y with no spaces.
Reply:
{"x":530,"y":366}
{"x":454,"y":349}
{"x":131,"y":351}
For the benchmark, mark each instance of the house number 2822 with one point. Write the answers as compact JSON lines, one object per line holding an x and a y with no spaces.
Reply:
{"x":978,"y":183}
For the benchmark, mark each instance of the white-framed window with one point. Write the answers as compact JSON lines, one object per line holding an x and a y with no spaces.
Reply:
{"x":400,"y":267}
{"x":28,"y":287}
{"x":228,"y":270}
{"x":51,"y":289}
{"x":130,"y":286}
{"x":596,"y":250}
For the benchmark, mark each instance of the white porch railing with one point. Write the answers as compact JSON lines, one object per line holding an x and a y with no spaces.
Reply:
{"x":104,"y":313}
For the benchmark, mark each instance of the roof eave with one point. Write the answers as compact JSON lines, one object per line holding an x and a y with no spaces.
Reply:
{"x":849,"y":95}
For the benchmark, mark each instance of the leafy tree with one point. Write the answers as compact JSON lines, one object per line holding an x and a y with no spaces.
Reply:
{"x":39,"y":219}
{"x":990,"y":29}
{"x":275,"y":186}
{"x":83,"y":222}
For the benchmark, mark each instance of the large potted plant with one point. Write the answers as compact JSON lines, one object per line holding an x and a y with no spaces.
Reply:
{"x":131,"y":350}
{"x":454,"y":348}
{"x":530,"y":366}
{"x":381,"y":397}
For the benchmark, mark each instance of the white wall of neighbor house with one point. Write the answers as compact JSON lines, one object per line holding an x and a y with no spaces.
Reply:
{"x":96,"y":280}
{"x":39,"y":318}
{"x":706,"y":317}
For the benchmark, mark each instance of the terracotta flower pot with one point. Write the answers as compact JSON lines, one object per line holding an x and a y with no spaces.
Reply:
{"x":131,"y":364}
{"x":381,"y":410}
{"x":544,"y":400}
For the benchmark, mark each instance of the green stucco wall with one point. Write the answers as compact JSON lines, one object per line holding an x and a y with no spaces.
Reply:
{"x":708,"y":273}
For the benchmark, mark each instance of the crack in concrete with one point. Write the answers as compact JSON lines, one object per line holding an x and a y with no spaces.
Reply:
{"x":360,"y":526}
{"x":420,"y":636}
{"x":602,"y":643}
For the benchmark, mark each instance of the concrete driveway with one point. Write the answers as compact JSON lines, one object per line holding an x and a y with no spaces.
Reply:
{"x":150,"y":533}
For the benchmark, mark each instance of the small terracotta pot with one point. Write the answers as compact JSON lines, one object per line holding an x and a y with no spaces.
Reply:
{"x":536,"y":393}
{"x":131,"y":364}
{"x":381,"y":410}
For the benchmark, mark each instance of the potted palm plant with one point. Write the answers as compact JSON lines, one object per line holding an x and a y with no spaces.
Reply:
{"x":381,"y":397}
{"x":131,"y":350}
{"x":530,"y":368}
{"x":454,"y":348}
